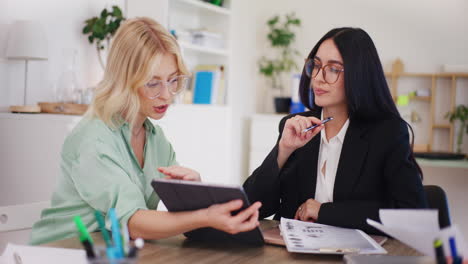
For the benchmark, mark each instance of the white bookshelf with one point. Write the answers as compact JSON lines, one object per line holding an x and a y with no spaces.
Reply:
{"x":189,"y":47}
{"x":187,"y":15}
{"x":197,"y":4}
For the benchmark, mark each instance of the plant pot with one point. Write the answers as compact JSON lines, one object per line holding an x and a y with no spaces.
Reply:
{"x":282,"y":104}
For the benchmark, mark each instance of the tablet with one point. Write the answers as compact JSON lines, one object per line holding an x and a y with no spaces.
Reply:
{"x":178,"y":195}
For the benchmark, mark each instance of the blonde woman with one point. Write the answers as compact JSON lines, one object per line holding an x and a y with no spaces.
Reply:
{"x":111,"y":156}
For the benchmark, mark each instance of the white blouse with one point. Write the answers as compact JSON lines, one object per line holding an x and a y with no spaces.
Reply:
{"x":329,"y":156}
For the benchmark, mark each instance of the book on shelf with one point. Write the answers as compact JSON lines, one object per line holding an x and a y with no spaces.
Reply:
{"x":209,"y":85}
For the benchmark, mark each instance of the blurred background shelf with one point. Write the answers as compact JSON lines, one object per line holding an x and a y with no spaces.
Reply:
{"x":202,"y":49}
{"x":443,"y":94}
{"x":197,"y":4}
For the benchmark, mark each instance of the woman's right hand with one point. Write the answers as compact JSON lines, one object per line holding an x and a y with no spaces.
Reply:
{"x":219,"y":217}
{"x":293,"y":137}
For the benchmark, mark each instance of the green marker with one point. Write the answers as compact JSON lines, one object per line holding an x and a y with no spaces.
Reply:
{"x":85,"y":238}
{"x":102,"y":227}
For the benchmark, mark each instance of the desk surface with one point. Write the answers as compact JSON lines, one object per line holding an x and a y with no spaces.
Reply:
{"x":458,"y":164}
{"x":178,"y":249}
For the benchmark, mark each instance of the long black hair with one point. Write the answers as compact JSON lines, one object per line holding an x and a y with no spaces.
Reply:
{"x":367,"y":94}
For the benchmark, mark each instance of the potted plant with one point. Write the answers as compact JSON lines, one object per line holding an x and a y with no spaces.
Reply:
{"x":460,"y":113}
{"x":281,"y":37}
{"x":101,"y":29}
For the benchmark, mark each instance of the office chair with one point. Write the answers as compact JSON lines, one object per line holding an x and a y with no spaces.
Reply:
{"x":437,"y":199}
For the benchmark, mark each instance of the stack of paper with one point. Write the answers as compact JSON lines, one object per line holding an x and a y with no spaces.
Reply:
{"x":418,"y":229}
{"x":16,"y":254}
{"x":306,"y":237}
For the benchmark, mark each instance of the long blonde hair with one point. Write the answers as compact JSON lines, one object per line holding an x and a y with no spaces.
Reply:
{"x":135,"y":53}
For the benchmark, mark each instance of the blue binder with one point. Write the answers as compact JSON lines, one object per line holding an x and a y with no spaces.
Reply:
{"x":203,"y":87}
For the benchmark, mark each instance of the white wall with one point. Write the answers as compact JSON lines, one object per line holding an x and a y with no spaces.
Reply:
{"x":63,"y":22}
{"x":243,"y":75}
{"x":424,"y":34}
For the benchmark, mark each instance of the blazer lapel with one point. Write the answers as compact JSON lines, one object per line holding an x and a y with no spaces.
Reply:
{"x":352,"y":156}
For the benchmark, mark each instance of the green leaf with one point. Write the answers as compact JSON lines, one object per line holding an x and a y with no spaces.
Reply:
{"x":86,"y":29}
{"x":273,"y":20}
{"x":116,"y":11}
{"x":104,"y":13}
{"x":91,"y":21}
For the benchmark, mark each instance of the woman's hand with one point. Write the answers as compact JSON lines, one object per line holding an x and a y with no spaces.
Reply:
{"x":180,"y":173}
{"x":308,"y":211}
{"x":293,"y":138}
{"x":219,"y":217}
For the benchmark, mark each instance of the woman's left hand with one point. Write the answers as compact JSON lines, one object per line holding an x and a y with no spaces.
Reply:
{"x":308,"y":211}
{"x":180,"y":173}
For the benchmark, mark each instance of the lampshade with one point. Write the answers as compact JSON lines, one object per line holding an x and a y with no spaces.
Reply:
{"x":27,"y":40}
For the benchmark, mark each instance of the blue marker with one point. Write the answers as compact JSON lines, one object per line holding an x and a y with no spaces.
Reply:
{"x":116,"y":234}
{"x":453,"y":250}
{"x":314,"y":126}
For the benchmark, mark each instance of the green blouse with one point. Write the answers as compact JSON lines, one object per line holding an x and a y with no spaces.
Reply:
{"x":99,"y":171}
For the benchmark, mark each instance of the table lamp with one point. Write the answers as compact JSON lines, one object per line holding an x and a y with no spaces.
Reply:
{"x":26,"y":41}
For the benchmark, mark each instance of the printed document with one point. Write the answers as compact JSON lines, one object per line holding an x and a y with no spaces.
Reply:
{"x":307,"y":237}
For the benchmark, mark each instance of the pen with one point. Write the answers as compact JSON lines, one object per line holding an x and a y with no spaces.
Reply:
{"x":139,"y":243}
{"x":314,"y":126}
{"x":102,"y":227}
{"x":85,"y":238}
{"x":439,"y":251}
{"x":125,"y":239}
{"x":453,"y":250}
{"x":116,"y":234}
{"x":338,"y":250}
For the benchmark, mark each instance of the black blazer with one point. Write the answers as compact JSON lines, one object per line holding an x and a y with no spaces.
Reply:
{"x":375,"y":171}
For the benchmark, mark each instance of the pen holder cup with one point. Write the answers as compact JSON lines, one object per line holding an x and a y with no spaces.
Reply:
{"x":101,"y":258}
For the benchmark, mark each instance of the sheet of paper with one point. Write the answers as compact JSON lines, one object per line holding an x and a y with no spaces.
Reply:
{"x":305,"y":237}
{"x":417,"y":239}
{"x":422,"y":219}
{"x":418,"y":229}
{"x":3,"y":260}
{"x":36,"y":254}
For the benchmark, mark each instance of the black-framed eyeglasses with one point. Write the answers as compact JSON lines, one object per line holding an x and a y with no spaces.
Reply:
{"x":330,"y":72}
{"x":175,"y":85}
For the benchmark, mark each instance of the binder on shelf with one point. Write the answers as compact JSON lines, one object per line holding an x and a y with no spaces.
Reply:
{"x":208,"y":87}
{"x":203,"y":87}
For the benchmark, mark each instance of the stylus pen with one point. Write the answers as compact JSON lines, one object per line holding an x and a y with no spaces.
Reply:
{"x":314,"y":126}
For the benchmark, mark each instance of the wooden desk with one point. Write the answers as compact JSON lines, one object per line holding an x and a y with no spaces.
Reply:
{"x":178,"y":249}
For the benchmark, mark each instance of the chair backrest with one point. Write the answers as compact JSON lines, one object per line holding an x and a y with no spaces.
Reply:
{"x":437,"y":199}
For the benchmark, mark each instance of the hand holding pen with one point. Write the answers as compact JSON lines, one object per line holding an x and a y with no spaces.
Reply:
{"x":297,"y":132}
